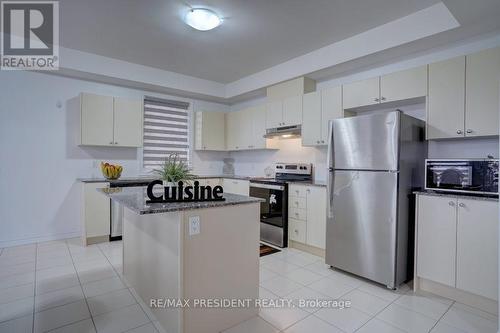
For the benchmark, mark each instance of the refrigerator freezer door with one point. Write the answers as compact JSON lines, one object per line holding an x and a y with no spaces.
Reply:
{"x":366,"y":142}
{"x":361,"y":234}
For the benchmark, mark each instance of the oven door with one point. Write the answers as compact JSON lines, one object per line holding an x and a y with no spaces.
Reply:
{"x":273,"y":212}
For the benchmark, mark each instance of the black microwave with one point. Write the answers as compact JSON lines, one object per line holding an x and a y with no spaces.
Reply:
{"x":472,"y":176}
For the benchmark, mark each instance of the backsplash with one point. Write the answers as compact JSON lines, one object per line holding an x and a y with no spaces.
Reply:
{"x":253,"y":163}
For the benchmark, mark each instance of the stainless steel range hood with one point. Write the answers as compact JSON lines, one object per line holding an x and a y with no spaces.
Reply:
{"x":285,"y":132}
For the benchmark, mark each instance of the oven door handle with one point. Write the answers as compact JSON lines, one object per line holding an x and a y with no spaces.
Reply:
{"x":268,"y":186}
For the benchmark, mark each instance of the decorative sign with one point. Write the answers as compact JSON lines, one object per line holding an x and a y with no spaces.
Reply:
{"x":181,"y":193}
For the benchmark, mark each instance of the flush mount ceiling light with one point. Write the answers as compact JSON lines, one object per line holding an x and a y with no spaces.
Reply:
{"x":202,"y":19}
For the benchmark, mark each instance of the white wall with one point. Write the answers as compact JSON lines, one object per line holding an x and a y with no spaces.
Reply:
{"x":39,"y":198}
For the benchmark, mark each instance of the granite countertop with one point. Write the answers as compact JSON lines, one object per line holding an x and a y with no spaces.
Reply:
{"x":126,"y":180}
{"x":456,"y":195}
{"x":311,"y":183}
{"x":135,"y":199}
{"x":123,"y":180}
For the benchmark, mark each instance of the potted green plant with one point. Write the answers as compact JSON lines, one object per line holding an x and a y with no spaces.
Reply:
{"x":174,"y":170}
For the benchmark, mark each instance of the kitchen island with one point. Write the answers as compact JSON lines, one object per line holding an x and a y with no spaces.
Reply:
{"x":180,"y":257}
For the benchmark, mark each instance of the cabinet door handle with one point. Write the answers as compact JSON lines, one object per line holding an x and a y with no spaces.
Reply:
{"x":317,"y":141}
{"x":451,"y":203}
{"x":461,"y":204}
{"x":116,"y":143}
{"x":296,"y":231}
{"x":376,"y":99}
{"x":382,"y":98}
{"x":469,"y":131}
{"x":111,"y":143}
{"x":459,"y":131}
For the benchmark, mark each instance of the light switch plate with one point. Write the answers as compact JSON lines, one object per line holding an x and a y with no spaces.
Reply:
{"x":194,"y":225}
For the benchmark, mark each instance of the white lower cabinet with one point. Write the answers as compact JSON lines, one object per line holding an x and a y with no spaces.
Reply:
{"x":95,"y":211}
{"x":297,"y":230}
{"x":307,"y":215}
{"x":316,"y":216}
{"x":210,"y":181}
{"x":457,"y":243}
{"x":437,"y":229}
{"x":477,"y":247}
{"x":236,"y":186}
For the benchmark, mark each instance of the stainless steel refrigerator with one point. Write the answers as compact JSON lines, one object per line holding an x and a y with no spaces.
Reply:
{"x":374,"y":163}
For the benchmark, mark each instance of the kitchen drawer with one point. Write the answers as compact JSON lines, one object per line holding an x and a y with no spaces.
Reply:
{"x":297,"y":230}
{"x":296,"y":203}
{"x":297,"y":191}
{"x":297,"y":213}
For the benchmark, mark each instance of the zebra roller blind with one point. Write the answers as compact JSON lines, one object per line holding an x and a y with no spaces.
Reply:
{"x":166,"y":130}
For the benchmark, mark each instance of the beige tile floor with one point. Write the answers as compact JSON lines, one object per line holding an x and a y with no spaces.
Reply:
{"x":61,"y":286}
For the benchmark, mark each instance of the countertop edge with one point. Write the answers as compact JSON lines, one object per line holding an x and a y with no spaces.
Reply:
{"x":133,"y":199}
{"x":455,"y":195}
{"x":145,"y":179}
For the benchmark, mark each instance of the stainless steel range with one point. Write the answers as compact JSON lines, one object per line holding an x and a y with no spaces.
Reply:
{"x":274,"y":211}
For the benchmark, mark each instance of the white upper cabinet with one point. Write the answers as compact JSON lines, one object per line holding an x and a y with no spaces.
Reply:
{"x":210,"y":131}
{"x":292,"y":110}
{"x":96,"y":114}
{"x":436,"y":239}
{"x":259,"y":127}
{"x":110,"y":121}
{"x":477,"y":247}
{"x":245,"y":129}
{"x":318,"y":109}
{"x":411,"y":83}
{"x":446,"y":99}
{"x":331,"y":108}
{"x":233,"y":126}
{"x":285,"y":112}
{"x":482,"y":93}
{"x":127,"y":122}
{"x":361,"y":93}
{"x":398,"y":86}
{"x":311,"y":120}
{"x":274,"y":114}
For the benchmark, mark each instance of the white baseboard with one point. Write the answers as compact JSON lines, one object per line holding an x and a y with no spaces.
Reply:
{"x":479,"y":302}
{"x":16,"y":242}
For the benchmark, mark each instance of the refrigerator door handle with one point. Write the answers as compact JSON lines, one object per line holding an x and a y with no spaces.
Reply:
{"x":330,"y":181}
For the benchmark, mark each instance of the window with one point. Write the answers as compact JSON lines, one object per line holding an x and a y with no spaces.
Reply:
{"x":166,"y":131}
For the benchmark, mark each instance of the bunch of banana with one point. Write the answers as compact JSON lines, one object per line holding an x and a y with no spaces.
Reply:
{"x":111,"y":171}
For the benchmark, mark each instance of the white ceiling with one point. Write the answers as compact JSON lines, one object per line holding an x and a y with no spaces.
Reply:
{"x":256,"y":34}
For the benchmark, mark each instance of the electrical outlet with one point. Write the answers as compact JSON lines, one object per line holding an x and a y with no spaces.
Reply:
{"x":194,"y":225}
